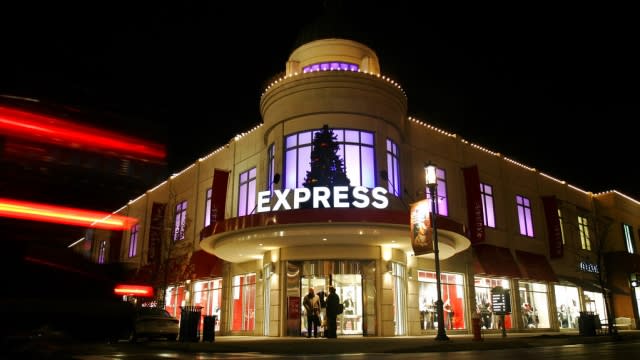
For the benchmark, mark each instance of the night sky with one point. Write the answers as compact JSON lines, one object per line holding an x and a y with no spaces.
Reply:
{"x":551,"y":87}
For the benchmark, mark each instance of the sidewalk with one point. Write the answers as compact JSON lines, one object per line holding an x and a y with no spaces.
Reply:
{"x":404,"y":344}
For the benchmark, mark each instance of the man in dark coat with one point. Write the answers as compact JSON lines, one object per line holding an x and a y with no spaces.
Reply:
{"x":333,"y":300}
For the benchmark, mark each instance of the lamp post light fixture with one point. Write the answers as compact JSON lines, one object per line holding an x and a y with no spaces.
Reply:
{"x":432,"y":183}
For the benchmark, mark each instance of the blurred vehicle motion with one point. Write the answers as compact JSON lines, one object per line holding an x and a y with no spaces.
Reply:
{"x":55,"y":293}
{"x":153,"y":323}
{"x":53,"y":164}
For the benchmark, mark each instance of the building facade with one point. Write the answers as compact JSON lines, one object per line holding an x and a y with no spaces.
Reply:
{"x":231,"y":233}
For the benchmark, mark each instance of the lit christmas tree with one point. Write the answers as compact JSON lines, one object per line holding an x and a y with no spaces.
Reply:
{"x":327,"y":169}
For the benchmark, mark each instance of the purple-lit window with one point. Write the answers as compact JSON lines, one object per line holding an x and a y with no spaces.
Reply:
{"x":393,"y":168}
{"x":207,"y":207}
{"x":442,"y":205}
{"x":133,"y":240}
{"x":180,"y":223}
{"x":525,"y":218}
{"x":247,"y":192}
{"x":271,"y":167}
{"x":102,"y":252}
{"x":486,"y":194}
{"x":355,"y":148}
{"x":328,"y":66}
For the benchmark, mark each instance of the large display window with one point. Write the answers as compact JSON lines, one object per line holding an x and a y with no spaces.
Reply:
{"x":174,"y":299}
{"x":594,"y":302}
{"x":208,"y":294}
{"x":567,"y":306}
{"x":636,"y":291}
{"x":534,"y":305}
{"x":243,"y":302}
{"x":452,"y":298}
{"x":483,"y":286}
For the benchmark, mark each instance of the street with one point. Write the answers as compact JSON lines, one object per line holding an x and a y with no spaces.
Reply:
{"x":605,"y":350}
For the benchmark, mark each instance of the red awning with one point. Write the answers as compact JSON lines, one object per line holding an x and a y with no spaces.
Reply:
{"x":205,"y":265}
{"x":536,"y":266}
{"x":494,"y":260}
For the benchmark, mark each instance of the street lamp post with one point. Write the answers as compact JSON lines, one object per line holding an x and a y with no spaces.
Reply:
{"x":432,"y":184}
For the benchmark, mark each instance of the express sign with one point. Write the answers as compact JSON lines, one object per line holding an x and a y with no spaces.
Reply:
{"x":320,"y":195}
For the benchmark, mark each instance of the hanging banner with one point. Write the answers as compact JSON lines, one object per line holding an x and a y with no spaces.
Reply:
{"x":155,"y":231}
{"x":421,"y":230}
{"x":556,"y":248}
{"x":475,"y":213}
{"x":218,"y":201}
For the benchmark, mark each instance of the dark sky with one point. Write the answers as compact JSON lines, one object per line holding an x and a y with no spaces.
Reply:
{"x":551,"y":87}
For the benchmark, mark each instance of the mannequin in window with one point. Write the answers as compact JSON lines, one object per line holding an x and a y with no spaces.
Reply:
{"x":423,"y":314}
{"x":449,"y":313}
{"x":349,"y":311}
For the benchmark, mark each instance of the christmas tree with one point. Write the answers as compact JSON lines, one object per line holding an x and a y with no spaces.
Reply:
{"x":327,"y":169}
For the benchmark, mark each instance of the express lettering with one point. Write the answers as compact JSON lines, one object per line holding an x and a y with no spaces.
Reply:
{"x":321,"y":195}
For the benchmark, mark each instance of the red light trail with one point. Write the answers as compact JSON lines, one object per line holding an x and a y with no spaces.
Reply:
{"x":64,"y":215}
{"x":47,"y":129}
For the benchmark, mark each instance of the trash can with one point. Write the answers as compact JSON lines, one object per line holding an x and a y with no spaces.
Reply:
{"x":209,"y":328}
{"x":587,"y":323}
{"x":189,"y":320}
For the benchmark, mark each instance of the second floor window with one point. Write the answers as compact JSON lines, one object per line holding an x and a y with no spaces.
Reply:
{"x":102,"y":252}
{"x":247,"y":192}
{"x":486,"y":194}
{"x":525,"y":219}
{"x":271,"y":167}
{"x":356,"y":149}
{"x":583,"y":229}
{"x":393,"y":168}
{"x":133,"y":240}
{"x":628,"y":238}
{"x":561,"y":225}
{"x":442,"y":204}
{"x":207,"y":207}
{"x":180,"y":222}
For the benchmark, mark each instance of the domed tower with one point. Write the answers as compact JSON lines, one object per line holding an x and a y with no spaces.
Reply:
{"x":335,"y":81}
{"x":331,"y":78}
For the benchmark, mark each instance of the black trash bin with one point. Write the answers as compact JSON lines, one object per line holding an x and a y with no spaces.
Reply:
{"x":209,"y":328}
{"x":587,"y":323}
{"x":189,"y":321}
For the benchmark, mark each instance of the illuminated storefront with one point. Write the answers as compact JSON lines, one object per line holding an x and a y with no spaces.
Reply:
{"x":534,"y":305}
{"x":208,"y":295}
{"x":483,"y":289}
{"x":568,"y":306}
{"x":250,"y":205}
{"x":174,"y":299}
{"x":452,"y":296}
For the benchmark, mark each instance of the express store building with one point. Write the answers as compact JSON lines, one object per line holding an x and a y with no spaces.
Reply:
{"x":241,"y":248}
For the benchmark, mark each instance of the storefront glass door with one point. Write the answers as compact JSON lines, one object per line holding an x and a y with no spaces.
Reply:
{"x":349,"y":289}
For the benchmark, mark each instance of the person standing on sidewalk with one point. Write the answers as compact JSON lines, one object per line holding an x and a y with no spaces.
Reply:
{"x":311,"y":305}
{"x":333,"y":300}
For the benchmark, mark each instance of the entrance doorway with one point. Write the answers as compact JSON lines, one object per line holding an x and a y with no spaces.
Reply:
{"x":349,"y":289}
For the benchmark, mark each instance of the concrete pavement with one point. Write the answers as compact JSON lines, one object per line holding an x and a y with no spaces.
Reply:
{"x":403,"y":344}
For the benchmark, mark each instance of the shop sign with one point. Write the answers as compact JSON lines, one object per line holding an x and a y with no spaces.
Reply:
{"x":588,"y":267}
{"x":320,"y":195}
{"x":500,"y":301}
